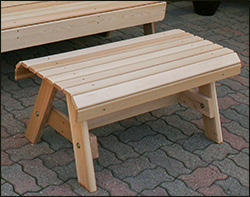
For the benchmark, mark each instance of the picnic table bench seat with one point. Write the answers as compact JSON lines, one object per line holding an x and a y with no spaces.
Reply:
{"x":32,"y":23}
{"x":111,"y":82}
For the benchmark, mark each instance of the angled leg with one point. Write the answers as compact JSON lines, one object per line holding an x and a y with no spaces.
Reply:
{"x":41,"y":111}
{"x":149,"y":28}
{"x":82,"y":149}
{"x":212,"y":125}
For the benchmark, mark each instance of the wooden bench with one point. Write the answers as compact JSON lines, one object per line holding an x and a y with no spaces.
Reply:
{"x":32,"y":23}
{"x":111,"y":82}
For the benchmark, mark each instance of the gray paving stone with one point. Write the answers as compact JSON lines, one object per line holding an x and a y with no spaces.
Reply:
{"x":242,"y":109}
{"x":215,"y":152}
{"x":66,"y":172}
{"x":2,"y":181}
{"x":189,"y":114}
{"x":178,"y":188}
{"x":135,"y":133}
{"x":167,"y":110}
{"x":145,"y":117}
{"x":8,"y":84}
{"x":233,"y":115}
{"x":12,"y":125}
{"x":223,"y":90}
{"x":158,"y":191}
{"x":80,"y":190}
{"x":228,"y":167}
{"x":245,"y":150}
{"x":150,"y":143}
{"x":241,"y":159}
{"x":232,"y":187}
{"x":129,"y":122}
{"x":29,"y":151}
{"x":190,"y":160}
{"x":148,"y":179}
{"x":25,"y":92}
{"x":107,"y":158}
{"x":197,"y":141}
{"x":23,"y":114}
{"x":9,"y":103}
{"x":44,"y":176}
{"x":8,"y":190}
{"x":55,"y":140}
{"x":21,"y":181}
{"x":236,"y":128}
{"x":131,"y":167}
{"x":107,"y":129}
{"x":122,"y":151}
{"x":28,"y":102}
{"x":186,"y":127}
{"x":174,"y":167}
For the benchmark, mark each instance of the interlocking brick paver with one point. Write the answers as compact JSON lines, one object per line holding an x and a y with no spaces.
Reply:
{"x":78,"y":189}
{"x":29,"y":151}
{"x":25,"y":92}
{"x":122,"y":151}
{"x":186,"y":127}
{"x":107,"y":129}
{"x":172,"y":166}
{"x":232,"y":187}
{"x":55,"y":140}
{"x":66,"y":172}
{"x":197,"y":141}
{"x":61,"y":190}
{"x":234,"y":140}
{"x":241,"y":159}
{"x":236,"y":128}
{"x":203,"y":177}
{"x":178,"y":188}
{"x":167,"y":110}
{"x":226,"y":102}
{"x":8,"y":84}
{"x":131,"y":167}
{"x":155,"y":192}
{"x":15,"y":141}
{"x":235,"y":116}
{"x":5,"y":159}
{"x":21,"y":181}
{"x":223,"y":91}
{"x":215,"y":152}
{"x":145,"y":117}
{"x":4,"y":133}
{"x":12,"y":125}
{"x":130,"y":122}
{"x":59,"y":158}
{"x":228,"y":167}
{"x":28,"y":102}
{"x":190,"y":160}
{"x":189,"y":114}
{"x":43,"y":175}
{"x":114,"y":186}
{"x":148,"y":179}
{"x":7,"y":190}
{"x":213,"y":190}
{"x":150,"y":143}
{"x":107,"y":158}
{"x":245,"y":150}
{"x":134,"y":133}
{"x":242,"y":109}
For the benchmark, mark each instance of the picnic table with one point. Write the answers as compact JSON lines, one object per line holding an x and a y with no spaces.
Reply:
{"x":31,"y":23}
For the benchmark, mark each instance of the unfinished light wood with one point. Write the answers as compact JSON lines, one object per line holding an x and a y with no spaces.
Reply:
{"x":98,"y":22}
{"x":149,"y":28}
{"x":199,"y":102}
{"x":82,"y":149}
{"x":60,"y":122}
{"x":40,"y":112}
{"x":212,"y":125}
{"x":105,"y":84}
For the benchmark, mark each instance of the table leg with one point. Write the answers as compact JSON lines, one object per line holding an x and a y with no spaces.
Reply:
{"x":82,"y":149}
{"x":212,"y":125}
{"x":149,"y":28}
{"x":41,"y":111}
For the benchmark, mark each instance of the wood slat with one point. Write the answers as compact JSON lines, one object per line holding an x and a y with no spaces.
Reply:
{"x":156,"y":93}
{"x":113,"y":61}
{"x":130,"y":68}
{"x":118,"y":55}
{"x":5,"y":4}
{"x":81,"y":26}
{"x":139,"y":85}
{"x":66,"y":58}
{"x":129,"y":76}
{"x":59,"y":11}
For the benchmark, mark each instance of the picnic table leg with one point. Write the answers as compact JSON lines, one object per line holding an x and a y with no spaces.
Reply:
{"x":149,"y":28}
{"x":212,"y":125}
{"x":82,"y":149}
{"x":41,"y":111}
